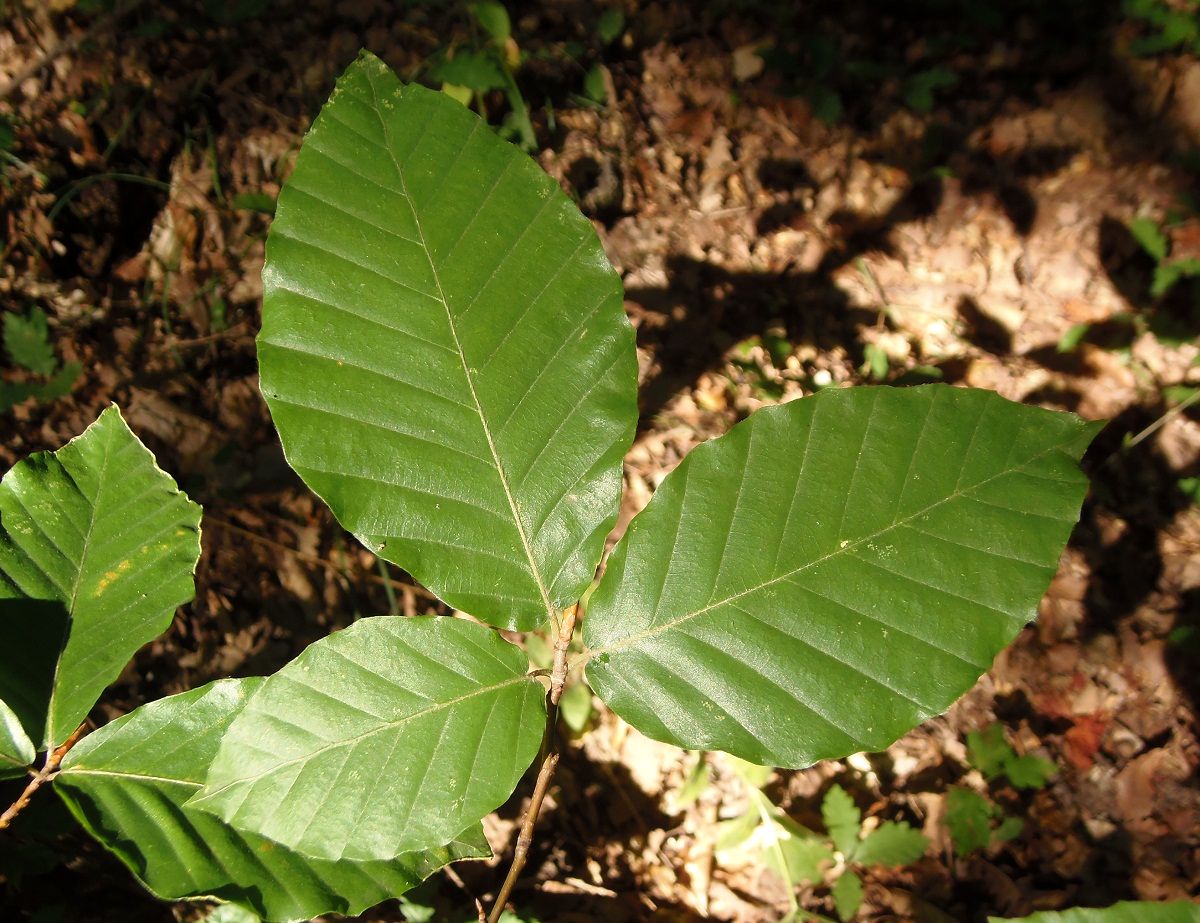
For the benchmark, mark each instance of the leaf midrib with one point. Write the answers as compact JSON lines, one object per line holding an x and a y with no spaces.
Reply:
{"x":487,"y":430}
{"x":381,"y":728}
{"x":655,"y":630}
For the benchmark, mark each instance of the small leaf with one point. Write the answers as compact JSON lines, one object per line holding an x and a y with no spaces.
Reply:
{"x":444,"y":350}
{"x":1070,"y":340}
{"x":968,"y":818}
{"x":847,"y":894}
{"x":27,"y":341}
{"x":98,"y":528}
{"x":1124,"y":912}
{"x":988,"y":751}
{"x":16,"y":750}
{"x":752,"y":774}
{"x":793,"y":853}
{"x":386,"y":737}
{"x":1150,"y":236}
{"x":128,"y":784}
{"x":697,"y":781}
{"x":842,"y":819}
{"x":493,"y":19}
{"x":231,"y":913}
{"x":892,"y":843}
{"x":730,"y":834}
{"x":1029,"y":772}
{"x":478,"y":71}
{"x":575,"y":706}
{"x":1008,"y":829}
{"x":262,"y":202}
{"x":594,"y":87}
{"x":833,"y":571}
{"x":457,"y":92}
{"x":610,"y":25}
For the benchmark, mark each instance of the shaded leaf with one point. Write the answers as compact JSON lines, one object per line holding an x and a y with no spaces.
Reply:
{"x":444,"y":350}
{"x":1029,"y":771}
{"x":1150,"y":236}
{"x":478,"y":71}
{"x":100,"y":529}
{"x":988,"y":751}
{"x":847,"y":894}
{"x":835,"y":570}
{"x":842,"y":819}
{"x":493,"y":19}
{"x":16,"y":750}
{"x":610,"y":25}
{"x":386,"y":737}
{"x":128,"y":783}
{"x":793,"y":853}
{"x":575,"y":706}
{"x":968,"y":817}
{"x":1124,"y":912}
{"x":694,"y":785}
{"x":891,"y":843}
{"x":27,"y":341}
{"x":32,"y":635}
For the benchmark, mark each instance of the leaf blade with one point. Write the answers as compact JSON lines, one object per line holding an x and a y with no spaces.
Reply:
{"x":373,"y":736}
{"x":16,"y":749}
{"x":911,"y":567}
{"x":128,"y":783}
{"x":456,"y":304}
{"x":99,"y":529}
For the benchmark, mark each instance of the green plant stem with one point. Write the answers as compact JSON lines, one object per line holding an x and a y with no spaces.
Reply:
{"x":549,"y":758}
{"x":1162,"y":421}
{"x":41,"y":777}
{"x":764,"y":805}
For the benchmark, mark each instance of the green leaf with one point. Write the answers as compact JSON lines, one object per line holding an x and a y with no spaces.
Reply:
{"x":988,"y":751}
{"x":99,"y":529}
{"x":593,"y":84}
{"x":732,"y":833}
{"x":842,"y":819}
{"x":262,"y":202}
{"x":696,"y":783}
{"x":847,"y":894}
{"x":610,"y":25}
{"x":478,"y":71}
{"x":32,"y":635}
{"x":17,"y":752}
{"x":27,"y":341}
{"x":1124,"y":912}
{"x":445,"y":352}
{"x":835,"y":570}
{"x":575,"y":706}
{"x":968,"y":817}
{"x":793,"y":853}
{"x":1008,"y":829}
{"x":1070,"y":340}
{"x":128,"y":784}
{"x":231,"y":913}
{"x":891,"y":843}
{"x":1150,"y":236}
{"x":387,"y":737}
{"x":493,"y":19}
{"x":752,"y":774}
{"x":1029,"y":772}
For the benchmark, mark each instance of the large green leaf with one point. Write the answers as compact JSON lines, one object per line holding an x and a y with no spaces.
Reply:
{"x":1125,"y":912}
{"x":16,"y":749}
{"x":98,"y":529}
{"x":32,"y":635}
{"x":384,"y":738}
{"x":128,"y":783}
{"x":444,"y":350}
{"x":835,"y":570}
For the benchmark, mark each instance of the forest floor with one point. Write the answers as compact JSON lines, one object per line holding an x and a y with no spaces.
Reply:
{"x":793,"y":202}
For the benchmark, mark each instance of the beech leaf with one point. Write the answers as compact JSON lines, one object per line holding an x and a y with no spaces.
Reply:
{"x":444,"y":350}
{"x":390,"y":736}
{"x":128,"y":784}
{"x":835,"y":570}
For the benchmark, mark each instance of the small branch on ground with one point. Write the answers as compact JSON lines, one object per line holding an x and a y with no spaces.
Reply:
{"x":42,"y":776}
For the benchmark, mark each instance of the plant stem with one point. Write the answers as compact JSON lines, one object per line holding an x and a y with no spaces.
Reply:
{"x":549,"y":758}
{"x":40,"y":778}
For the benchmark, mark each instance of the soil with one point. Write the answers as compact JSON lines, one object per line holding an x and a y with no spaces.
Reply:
{"x":766,"y":252}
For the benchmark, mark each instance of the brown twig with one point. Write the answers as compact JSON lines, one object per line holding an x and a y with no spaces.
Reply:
{"x":42,"y":776}
{"x":549,"y":757}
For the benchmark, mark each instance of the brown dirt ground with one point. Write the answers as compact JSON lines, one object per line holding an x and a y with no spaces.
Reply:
{"x":969,"y":238}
